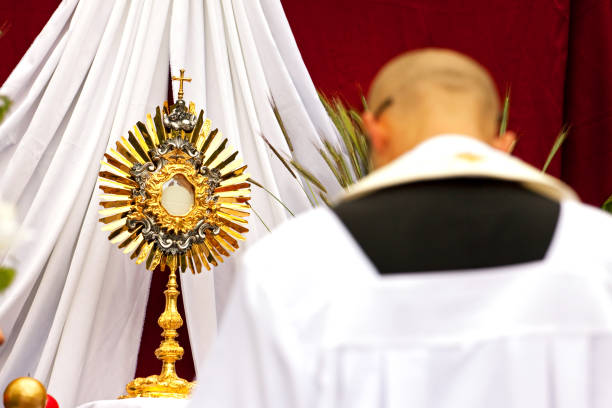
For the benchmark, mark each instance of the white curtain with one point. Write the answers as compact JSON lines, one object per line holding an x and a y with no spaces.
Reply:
{"x":74,"y":314}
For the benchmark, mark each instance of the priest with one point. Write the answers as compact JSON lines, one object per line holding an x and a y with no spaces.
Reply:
{"x":452,"y":276}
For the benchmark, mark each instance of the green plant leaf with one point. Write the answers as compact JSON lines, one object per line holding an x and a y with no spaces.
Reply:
{"x":607,"y":206}
{"x":259,"y":217}
{"x":339,"y":164}
{"x":281,"y":124}
{"x":346,"y":156}
{"x":349,"y":137}
{"x":312,"y":193}
{"x":558,"y":142}
{"x":353,"y":139}
{"x":364,"y":102}
{"x":363,"y":145}
{"x":332,"y":167}
{"x":5,"y":106}
{"x":503,"y":123}
{"x":325,"y":102}
{"x":250,"y":180}
{"x":279,"y":156}
{"x":325,"y":200}
{"x":308,"y":176}
{"x":6,"y":276}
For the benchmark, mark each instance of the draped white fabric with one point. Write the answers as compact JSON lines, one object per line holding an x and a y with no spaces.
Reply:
{"x":73,"y":317}
{"x":137,"y":403}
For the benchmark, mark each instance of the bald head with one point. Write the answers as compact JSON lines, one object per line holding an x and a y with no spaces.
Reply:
{"x":427,"y":92}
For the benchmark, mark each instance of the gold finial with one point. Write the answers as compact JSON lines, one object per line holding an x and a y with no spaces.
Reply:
{"x":181,"y":79}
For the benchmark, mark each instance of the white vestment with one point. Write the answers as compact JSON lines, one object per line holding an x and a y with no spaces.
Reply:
{"x":311,"y":323}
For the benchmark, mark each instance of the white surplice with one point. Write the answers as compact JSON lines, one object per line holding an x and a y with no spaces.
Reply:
{"x":311,"y":323}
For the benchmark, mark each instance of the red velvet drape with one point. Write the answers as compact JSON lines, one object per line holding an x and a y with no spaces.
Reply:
{"x":587,"y":156}
{"x":555,"y":54}
{"x":151,"y":333}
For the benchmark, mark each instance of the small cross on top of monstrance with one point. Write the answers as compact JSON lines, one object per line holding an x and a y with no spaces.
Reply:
{"x":181,"y":79}
{"x":176,"y":196}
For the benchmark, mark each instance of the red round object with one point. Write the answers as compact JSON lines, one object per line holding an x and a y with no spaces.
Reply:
{"x":51,"y":402}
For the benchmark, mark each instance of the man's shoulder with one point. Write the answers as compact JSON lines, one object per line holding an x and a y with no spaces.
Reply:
{"x":313,"y":251}
{"x":295,"y":235}
{"x":587,"y":217}
{"x":584,"y":229}
{"x":314,"y":238}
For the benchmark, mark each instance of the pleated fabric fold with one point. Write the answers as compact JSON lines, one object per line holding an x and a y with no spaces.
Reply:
{"x":74,"y":314}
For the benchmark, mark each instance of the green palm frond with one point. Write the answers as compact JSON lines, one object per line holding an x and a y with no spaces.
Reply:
{"x":6,"y":277}
{"x":308,"y":176}
{"x":364,"y":103}
{"x":558,"y":142}
{"x":353,"y":134}
{"x":281,"y":124}
{"x":279,"y":156}
{"x":607,"y":206}
{"x":4,"y":106}
{"x":347,"y":156}
{"x":6,"y":274}
{"x":252,"y":181}
{"x":503,"y":121}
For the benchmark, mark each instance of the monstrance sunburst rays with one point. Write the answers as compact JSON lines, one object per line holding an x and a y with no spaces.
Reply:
{"x":175,"y":149}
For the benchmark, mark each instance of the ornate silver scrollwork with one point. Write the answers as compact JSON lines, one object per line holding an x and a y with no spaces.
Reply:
{"x":141,"y":173}
{"x":180,"y":118}
{"x":170,"y":243}
{"x":181,"y":144}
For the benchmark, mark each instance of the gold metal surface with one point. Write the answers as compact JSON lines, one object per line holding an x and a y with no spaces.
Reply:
{"x":228,"y":210}
{"x":167,"y":384}
{"x":25,"y":392}
{"x":132,"y":177}
{"x":181,"y":79}
{"x":202,"y":209}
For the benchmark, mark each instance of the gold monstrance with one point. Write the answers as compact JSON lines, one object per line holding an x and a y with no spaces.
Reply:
{"x":177,"y":196}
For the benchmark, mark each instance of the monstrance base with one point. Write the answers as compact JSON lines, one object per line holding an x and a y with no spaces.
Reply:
{"x":154,"y":386}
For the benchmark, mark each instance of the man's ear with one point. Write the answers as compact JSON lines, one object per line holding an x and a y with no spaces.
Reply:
{"x":505,"y":142}
{"x":378,"y":135}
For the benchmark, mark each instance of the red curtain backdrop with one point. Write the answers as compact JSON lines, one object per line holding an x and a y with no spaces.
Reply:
{"x":151,"y":332}
{"x":556,"y":55}
{"x":587,"y":156}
